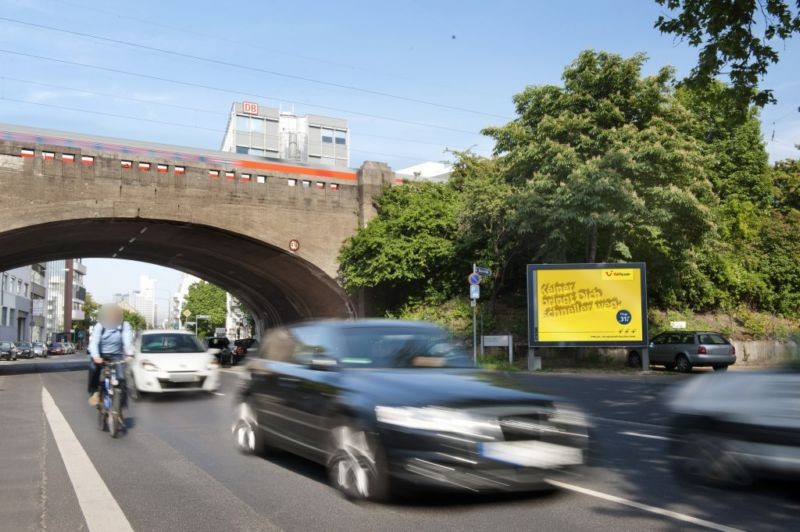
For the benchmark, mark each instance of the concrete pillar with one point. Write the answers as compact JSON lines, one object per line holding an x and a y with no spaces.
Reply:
{"x":373,"y":178}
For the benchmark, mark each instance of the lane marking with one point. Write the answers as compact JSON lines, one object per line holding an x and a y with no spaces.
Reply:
{"x":217,"y":393}
{"x":100,"y":509}
{"x":648,"y":436}
{"x":631,"y":423}
{"x":645,"y":507}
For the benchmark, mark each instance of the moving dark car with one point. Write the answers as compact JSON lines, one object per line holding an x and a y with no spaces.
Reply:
{"x":219,"y":346}
{"x":24,"y":349}
{"x":8,"y":351}
{"x":732,"y":429}
{"x":684,"y":350}
{"x":379,"y":402}
{"x":242,"y":347}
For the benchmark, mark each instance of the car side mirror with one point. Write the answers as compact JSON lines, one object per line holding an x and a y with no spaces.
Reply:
{"x":323,"y":362}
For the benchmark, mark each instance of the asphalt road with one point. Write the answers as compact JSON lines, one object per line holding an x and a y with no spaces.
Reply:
{"x":176,"y":469}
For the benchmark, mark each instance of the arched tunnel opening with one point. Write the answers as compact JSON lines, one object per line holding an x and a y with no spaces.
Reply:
{"x":276,"y":286}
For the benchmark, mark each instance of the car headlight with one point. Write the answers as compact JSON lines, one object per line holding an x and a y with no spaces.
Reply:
{"x":437,"y":419}
{"x":149,"y":366}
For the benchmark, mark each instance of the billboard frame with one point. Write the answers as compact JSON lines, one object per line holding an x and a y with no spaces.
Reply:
{"x":530,"y":274}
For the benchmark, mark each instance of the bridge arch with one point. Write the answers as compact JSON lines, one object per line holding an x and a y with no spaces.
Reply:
{"x":277,"y":286}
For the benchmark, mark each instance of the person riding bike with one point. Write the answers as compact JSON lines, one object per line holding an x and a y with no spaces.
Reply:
{"x":111,"y":341}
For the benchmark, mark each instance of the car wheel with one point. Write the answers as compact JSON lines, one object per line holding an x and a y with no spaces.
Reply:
{"x":246,"y":434}
{"x":721,"y":368}
{"x":669,"y":367}
{"x":683,"y":364}
{"x":708,"y":460}
{"x":634,"y":360}
{"x":356,"y":465}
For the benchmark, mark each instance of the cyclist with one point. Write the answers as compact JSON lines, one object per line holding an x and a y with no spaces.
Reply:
{"x":111,"y":340}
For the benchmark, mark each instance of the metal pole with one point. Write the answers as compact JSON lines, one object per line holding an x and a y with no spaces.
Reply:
{"x":475,"y":331}
{"x":195,"y":325}
{"x":481,"y":313}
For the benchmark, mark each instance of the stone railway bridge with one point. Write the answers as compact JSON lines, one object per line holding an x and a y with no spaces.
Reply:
{"x":269,"y":232}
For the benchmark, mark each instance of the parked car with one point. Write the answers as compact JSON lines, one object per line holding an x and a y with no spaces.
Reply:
{"x":379,"y":401}
{"x":219,"y":346}
{"x":69,"y":348}
{"x":169,"y":361}
{"x":242,"y":347}
{"x":685,"y":350}
{"x":735,"y":428}
{"x":7,"y":351}
{"x":57,"y":348}
{"x":24,"y":349}
{"x":39,"y":349}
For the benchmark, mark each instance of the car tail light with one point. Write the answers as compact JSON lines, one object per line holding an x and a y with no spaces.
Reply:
{"x":733,"y":349}
{"x":701,"y":350}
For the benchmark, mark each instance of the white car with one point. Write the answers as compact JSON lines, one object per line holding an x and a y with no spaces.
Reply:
{"x":167,"y":361}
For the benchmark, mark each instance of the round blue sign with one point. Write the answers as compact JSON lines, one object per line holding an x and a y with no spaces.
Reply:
{"x":624,"y":317}
{"x":474,"y":278}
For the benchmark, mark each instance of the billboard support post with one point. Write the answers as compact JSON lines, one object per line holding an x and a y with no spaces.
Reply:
{"x":646,"y":359}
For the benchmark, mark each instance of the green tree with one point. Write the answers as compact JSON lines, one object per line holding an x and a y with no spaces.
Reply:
{"x":90,"y":310}
{"x":736,"y":37}
{"x":608,"y":169}
{"x":136,"y":320}
{"x":408,"y":250}
{"x":206,"y":299}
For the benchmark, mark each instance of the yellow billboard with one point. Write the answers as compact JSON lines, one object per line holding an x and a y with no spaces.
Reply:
{"x":587,"y":304}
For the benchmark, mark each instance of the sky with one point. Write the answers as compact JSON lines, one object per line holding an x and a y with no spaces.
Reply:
{"x":414,"y":79}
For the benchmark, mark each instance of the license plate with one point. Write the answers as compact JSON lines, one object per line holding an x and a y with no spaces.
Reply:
{"x":179,"y":377}
{"x":532,"y":453}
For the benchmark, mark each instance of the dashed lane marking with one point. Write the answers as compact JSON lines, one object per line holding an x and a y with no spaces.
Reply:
{"x":100,"y":510}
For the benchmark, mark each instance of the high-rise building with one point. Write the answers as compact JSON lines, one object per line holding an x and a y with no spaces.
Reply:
{"x":435,"y":171}
{"x":144,"y":300}
{"x":269,"y":132}
{"x":66,"y":296}
{"x":38,"y":301}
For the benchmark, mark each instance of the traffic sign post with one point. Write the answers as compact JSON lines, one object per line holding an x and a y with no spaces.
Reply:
{"x":474,"y":280}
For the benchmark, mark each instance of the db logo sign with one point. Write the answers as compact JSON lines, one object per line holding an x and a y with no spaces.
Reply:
{"x":294,"y":245}
{"x":250,"y":108}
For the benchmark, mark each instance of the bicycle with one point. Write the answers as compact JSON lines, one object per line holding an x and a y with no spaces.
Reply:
{"x":109,"y":410}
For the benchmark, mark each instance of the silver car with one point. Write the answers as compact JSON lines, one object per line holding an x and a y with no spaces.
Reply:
{"x":685,"y":350}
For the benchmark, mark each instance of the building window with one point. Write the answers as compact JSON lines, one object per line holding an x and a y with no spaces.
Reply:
{"x":19,"y":286}
{"x":5,"y":316}
{"x":306,"y":183}
{"x":261,"y":179}
{"x":242,"y":123}
{"x":25,"y":293}
{"x":257,"y":125}
{"x":12,"y":317}
{"x":241,"y":149}
{"x":257,"y":151}
{"x":327,"y":136}
{"x":5,"y":283}
{"x":341,"y":137}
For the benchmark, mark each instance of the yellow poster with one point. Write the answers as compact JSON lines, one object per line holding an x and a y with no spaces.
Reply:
{"x":589,"y":305}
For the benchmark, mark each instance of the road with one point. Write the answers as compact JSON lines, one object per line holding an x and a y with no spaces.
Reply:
{"x":177,"y":470}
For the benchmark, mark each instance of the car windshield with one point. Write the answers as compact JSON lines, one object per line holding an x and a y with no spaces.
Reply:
{"x":170,"y":343}
{"x":398,"y":347}
{"x":38,"y":344}
{"x":25,"y":345}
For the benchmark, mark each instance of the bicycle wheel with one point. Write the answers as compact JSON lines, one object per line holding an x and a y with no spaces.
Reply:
{"x":101,"y":418}
{"x":114,"y":415}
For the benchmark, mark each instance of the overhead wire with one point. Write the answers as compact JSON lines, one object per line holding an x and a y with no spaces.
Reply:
{"x":250,"y":68}
{"x":234,"y":91}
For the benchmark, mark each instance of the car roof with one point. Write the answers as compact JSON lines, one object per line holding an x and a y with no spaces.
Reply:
{"x":370,"y":322}
{"x":166,"y":331}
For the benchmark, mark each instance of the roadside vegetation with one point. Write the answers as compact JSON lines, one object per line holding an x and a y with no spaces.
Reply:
{"x":612,"y":165}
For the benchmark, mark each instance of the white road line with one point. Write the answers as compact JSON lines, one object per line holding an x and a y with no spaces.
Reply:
{"x":217,"y":393}
{"x":626,"y":422}
{"x":645,"y":507}
{"x":648,"y":436}
{"x":99,"y":507}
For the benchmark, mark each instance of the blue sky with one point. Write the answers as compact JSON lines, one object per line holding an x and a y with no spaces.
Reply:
{"x":469,"y":54}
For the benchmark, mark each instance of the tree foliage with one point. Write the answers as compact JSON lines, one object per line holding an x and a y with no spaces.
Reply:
{"x":136,"y":320}
{"x":612,"y":166}
{"x":205,"y":299}
{"x":736,"y":37}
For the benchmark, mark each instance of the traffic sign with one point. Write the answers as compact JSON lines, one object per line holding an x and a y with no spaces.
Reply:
{"x":483,"y":271}
{"x":187,"y":313}
{"x":474,"y":291}
{"x":474,"y":279}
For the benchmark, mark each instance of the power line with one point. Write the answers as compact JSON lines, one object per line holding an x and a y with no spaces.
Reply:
{"x":233,"y":91}
{"x":186,"y":108}
{"x":174,"y":124}
{"x":249,"y":68}
{"x":257,"y":46}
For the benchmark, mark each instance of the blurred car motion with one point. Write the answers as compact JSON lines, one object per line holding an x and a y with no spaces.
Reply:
{"x":169,"y":361}
{"x":380,"y":401}
{"x":24,"y":349}
{"x":39,"y":349}
{"x":57,"y":348}
{"x":734,"y":428}
{"x":8,"y":351}
{"x":684,"y":350}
